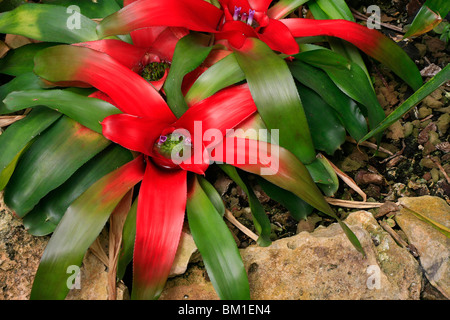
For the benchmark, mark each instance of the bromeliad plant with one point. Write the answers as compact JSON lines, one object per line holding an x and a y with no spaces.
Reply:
{"x":158,"y":69}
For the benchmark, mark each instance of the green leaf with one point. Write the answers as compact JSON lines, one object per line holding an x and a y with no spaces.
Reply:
{"x":340,"y":46}
{"x":190,"y":52}
{"x":348,"y":111}
{"x":92,"y":9}
{"x":128,"y":237}
{"x":7,"y":171}
{"x":345,"y":74}
{"x":439,"y":79}
{"x":260,"y":219}
{"x":429,"y":16}
{"x":26,"y":81}
{"x":283,"y":8}
{"x":220,"y":75}
{"x":7,"y":5}
{"x":276,"y":96}
{"x":21,"y":133}
{"x":217,"y":246}
{"x":327,"y":132}
{"x":213,"y":195}
{"x":80,"y":226}
{"x":50,"y":161}
{"x":20,"y":60}
{"x":298,"y":208}
{"x":49,"y":23}
{"x":336,"y":9}
{"x":87,"y":111}
{"x":44,"y":218}
{"x":324,"y":176}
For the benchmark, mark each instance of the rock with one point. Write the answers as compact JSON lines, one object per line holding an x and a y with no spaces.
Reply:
{"x":434,"y":44}
{"x":309,"y":224}
{"x":422,"y":49}
{"x":20,"y":254}
{"x":443,"y":123}
{"x":185,"y":250}
{"x":444,"y":146}
{"x":386,"y":208}
{"x":222,"y":184}
{"x":319,"y":265}
{"x":364,"y":177}
{"x":349,"y":165}
{"x":432,"y":246}
{"x":395,"y":131}
{"x":432,"y":102}
{"x":424,"y":112}
{"x":194,"y":285}
{"x":93,"y":280}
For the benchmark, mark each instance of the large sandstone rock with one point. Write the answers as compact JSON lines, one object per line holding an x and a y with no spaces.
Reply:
{"x":320,"y":265}
{"x":20,"y":254}
{"x":433,"y":246}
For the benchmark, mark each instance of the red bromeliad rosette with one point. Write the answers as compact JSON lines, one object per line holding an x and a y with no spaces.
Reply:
{"x":239,"y":19}
{"x":147,"y":126}
{"x":143,"y":107}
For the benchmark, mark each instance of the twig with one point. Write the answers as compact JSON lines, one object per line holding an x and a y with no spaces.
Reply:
{"x":240,"y":226}
{"x":369,"y":145}
{"x":441,"y":169}
{"x":360,"y":16}
{"x":402,"y":243}
{"x":8,"y":120}
{"x":392,"y":232}
{"x":397,"y":154}
{"x":353,"y":204}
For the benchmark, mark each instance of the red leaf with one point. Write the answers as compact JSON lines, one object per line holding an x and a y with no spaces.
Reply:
{"x":279,"y":38}
{"x":222,"y":111}
{"x":160,"y":216}
{"x":197,"y":15}
{"x":371,"y":41}
{"x":133,"y":133}
{"x":131,"y":93}
{"x":259,"y":5}
{"x":126,"y":54}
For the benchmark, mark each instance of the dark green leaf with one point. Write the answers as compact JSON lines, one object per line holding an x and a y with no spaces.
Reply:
{"x":217,"y":247}
{"x":348,"y":111}
{"x":87,"y":111}
{"x":327,"y":132}
{"x":20,"y":60}
{"x":50,"y":161}
{"x":345,"y":74}
{"x":213,"y":195}
{"x":19,"y":135}
{"x":7,"y":5}
{"x":220,"y":75}
{"x":189,"y":53}
{"x":26,"y":81}
{"x":274,"y":92}
{"x":44,"y":218}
